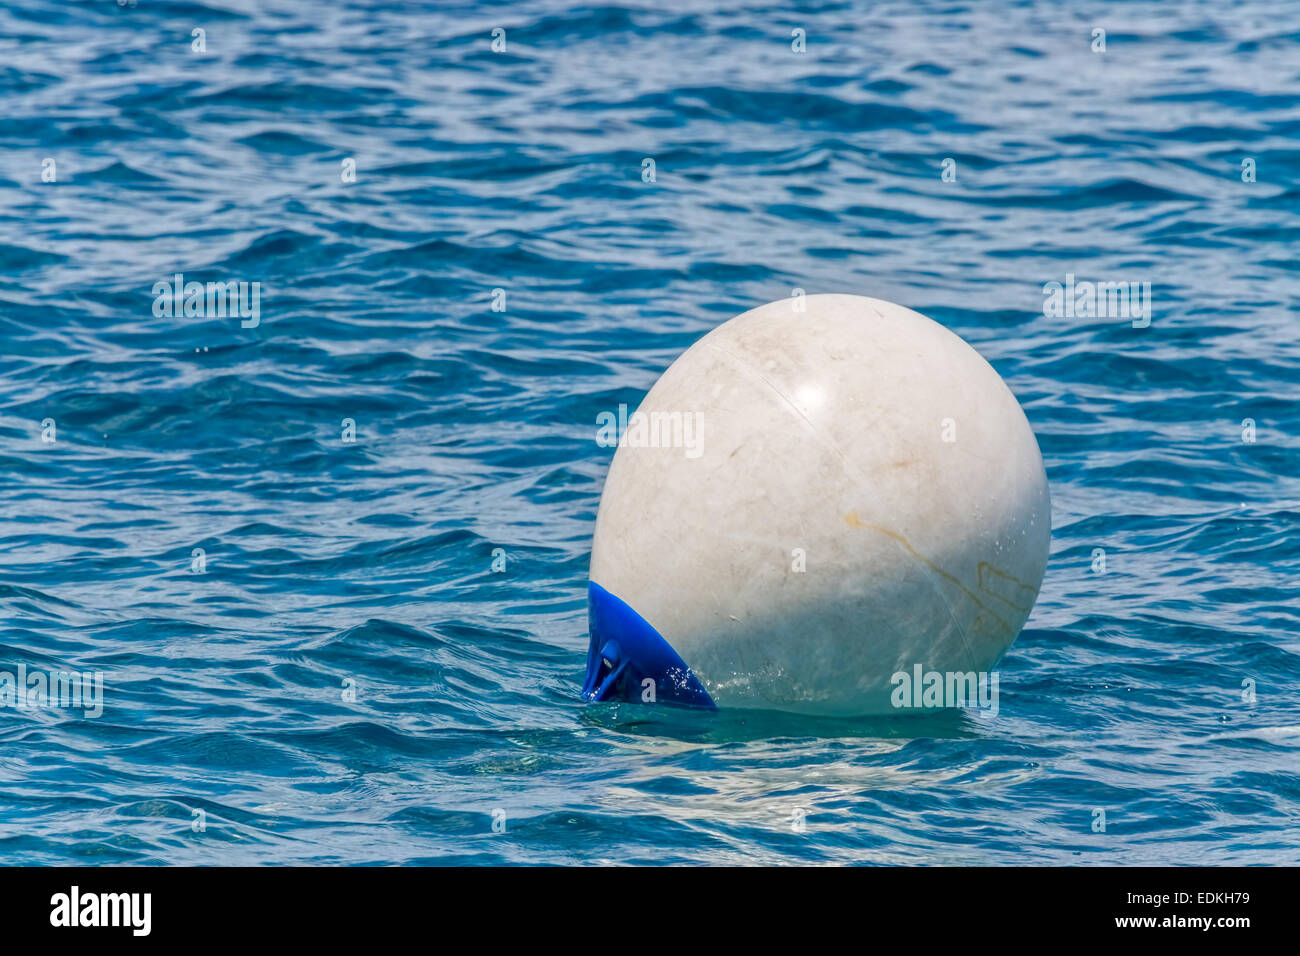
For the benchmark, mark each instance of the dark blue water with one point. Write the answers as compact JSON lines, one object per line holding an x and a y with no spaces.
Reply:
{"x":340,"y":676}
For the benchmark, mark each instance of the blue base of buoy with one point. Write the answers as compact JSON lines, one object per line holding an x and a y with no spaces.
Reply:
{"x":625,"y":650}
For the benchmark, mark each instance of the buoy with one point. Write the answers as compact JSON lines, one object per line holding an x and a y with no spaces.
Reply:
{"x":821,"y":500}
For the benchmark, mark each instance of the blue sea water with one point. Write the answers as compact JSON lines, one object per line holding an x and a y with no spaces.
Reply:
{"x":346,"y":680}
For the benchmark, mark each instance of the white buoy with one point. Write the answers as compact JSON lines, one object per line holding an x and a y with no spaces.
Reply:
{"x":820,"y":495}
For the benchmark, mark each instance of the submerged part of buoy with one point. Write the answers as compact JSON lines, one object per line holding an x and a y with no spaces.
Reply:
{"x":818,"y":496}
